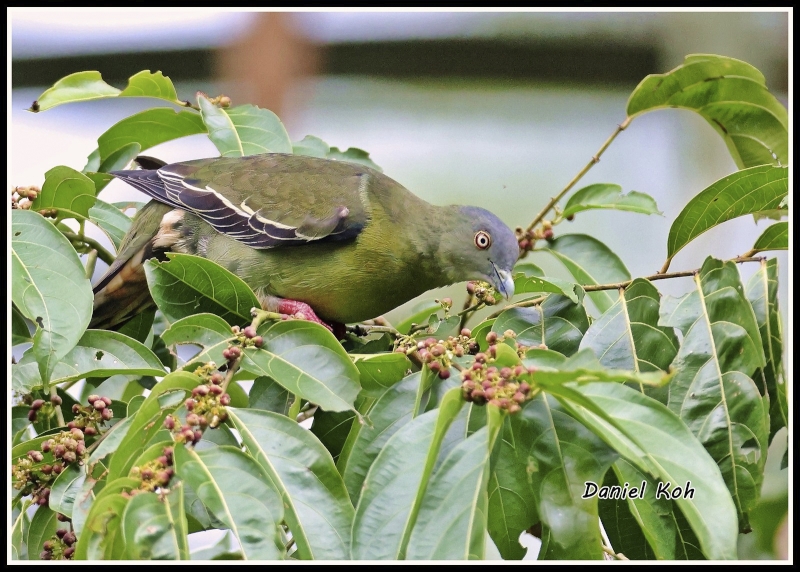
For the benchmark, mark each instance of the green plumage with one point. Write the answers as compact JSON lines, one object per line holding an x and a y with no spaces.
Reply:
{"x":345,"y":239}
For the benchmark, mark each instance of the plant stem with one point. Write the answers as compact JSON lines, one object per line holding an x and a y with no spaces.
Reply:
{"x":523,"y":304}
{"x":104,"y":254}
{"x":294,"y":410}
{"x":592,"y":162}
{"x":610,"y":552}
{"x":91,"y":260}
{"x":467,"y":304}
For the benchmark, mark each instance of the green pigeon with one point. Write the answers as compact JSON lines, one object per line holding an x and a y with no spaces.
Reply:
{"x":332,"y":240}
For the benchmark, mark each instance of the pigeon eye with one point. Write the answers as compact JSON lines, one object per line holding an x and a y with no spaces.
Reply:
{"x":483,"y":240}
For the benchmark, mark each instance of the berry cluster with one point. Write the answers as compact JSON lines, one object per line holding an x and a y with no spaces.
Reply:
{"x":23,"y":197}
{"x":483,"y":292}
{"x":90,"y":418}
{"x":505,"y":387}
{"x":438,"y":355}
{"x":527,"y":238}
{"x":60,"y":547}
{"x":245,"y":338}
{"x":155,"y":474}
{"x":34,"y":477}
{"x":206,"y":406}
{"x":38,"y":406}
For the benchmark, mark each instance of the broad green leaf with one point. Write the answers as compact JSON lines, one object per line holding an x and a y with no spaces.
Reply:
{"x":19,"y":535}
{"x":762,"y":292}
{"x":513,"y":480}
{"x":154,"y":526}
{"x":451,"y":523}
{"x":732,"y":96}
{"x":149,"y":420}
{"x":627,"y":335}
{"x":565,"y":455}
{"x":744,"y":192}
{"x":306,"y":359}
{"x":111,"y":441}
{"x":110,"y":220}
{"x":391,"y":411}
{"x":66,"y":488}
{"x":186,"y":285}
{"x":317,"y":509}
{"x":395,"y":485}
{"x":525,"y":284}
{"x":557,"y":322}
{"x":210,"y":332}
{"x":590,"y":262}
{"x":101,"y":537}
{"x":380,"y":371}
{"x":140,"y":327}
{"x":96,"y":487}
{"x":99,"y":353}
{"x":712,"y":390}
{"x":332,"y":429}
{"x":236,"y":489}
{"x":88,"y":85}
{"x":268,"y":395}
{"x":609,"y":196}
{"x":647,"y":527}
{"x":775,"y":237}
{"x":20,"y":334}
{"x":70,"y":192}
{"x":479,"y":333}
{"x":244,"y":130}
{"x":149,"y":128}
{"x":311,"y":147}
{"x":43,"y":527}
{"x":353,"y":155}
{"x":116,"y":160}
{"x":49,"y":287}
{"x":657,"y":442}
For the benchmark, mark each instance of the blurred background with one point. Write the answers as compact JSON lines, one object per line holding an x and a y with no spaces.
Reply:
{"x":496,"y":109}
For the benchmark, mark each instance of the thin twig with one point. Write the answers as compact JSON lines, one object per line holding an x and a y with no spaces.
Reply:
{"x":104,"y":254}
{"x":592,"y":162}
{"x":465,"y":318}
{"x":523,"y":304}
{"x":618,"y":556}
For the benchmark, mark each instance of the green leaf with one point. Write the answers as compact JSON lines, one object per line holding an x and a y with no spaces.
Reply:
{"x":235,"y":489}
{"x":99,"y":353}
{"x":102,"y":537}
{"x":353,"y":155}
{"x":210,"y":332}
{"x":732,"y":96}
{"x":775,"y":237}
{"x":557,"y":322}
{"x":311,"y":147}
{"x":140,"y":327}
{"x":81,"y":86}
{"x":565,"y":456}
{"x":395,"y":485}
{"x":390,"y":412}
{"x":712,"y":390}
{"x":244,"y":130}
{"x":317,"y":509}
{"x":380,"y":371}
{"x":149,"y":420}
{"x":744,"y":192}
{"x":268,"y":395}
{"x":609,"y":196}
{"x":117,"y":160}
{"x":331,"y":428}
{"x":627,"y":335}
{"x":49,"y":286}
{"x":590,"y":262}
{"x":19,"y":535}
{"x":88,"y":85}
{"x":647,"y":527}
{"x":110,"y":220}
{"x":154,"y":526}
{"x":68,"y":191}
{"x":66,"y":488}
{"x":513,"y":480}
{"x":187,"y":285}
{"x":420,"y":315}
{"x":149,"y":128}
{"x":657,"y":442}
{"x":43,"y":527}
{"x":524,"y":284}
{"x":762,"y":292}
{"x":306,"y":359}
{"x":20,"y":334}
{"x":451,"y":524}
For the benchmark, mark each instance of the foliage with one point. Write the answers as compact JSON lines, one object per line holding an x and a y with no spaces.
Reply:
{"x":422,"y":445}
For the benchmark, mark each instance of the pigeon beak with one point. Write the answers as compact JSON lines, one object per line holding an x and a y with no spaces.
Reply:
{"x":503,"y":282}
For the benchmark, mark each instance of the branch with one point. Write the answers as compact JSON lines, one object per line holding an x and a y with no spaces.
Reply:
{"x":102,"y":253}
{"x":592,"y":162}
